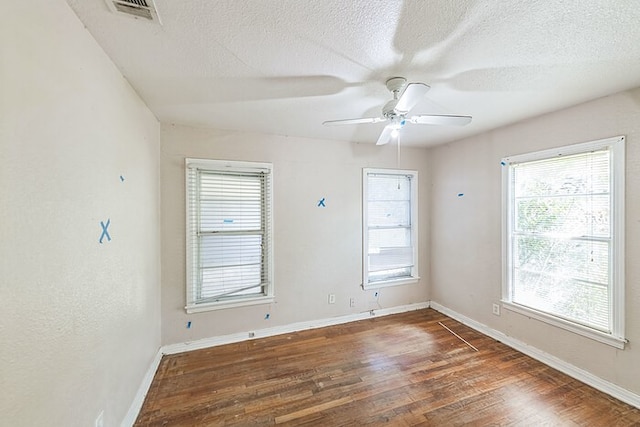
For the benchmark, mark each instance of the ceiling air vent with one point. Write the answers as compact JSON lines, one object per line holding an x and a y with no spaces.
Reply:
{"x":138,"y":9}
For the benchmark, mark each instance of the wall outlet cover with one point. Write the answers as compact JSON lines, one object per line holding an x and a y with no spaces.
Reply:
{"x":496,"y":309}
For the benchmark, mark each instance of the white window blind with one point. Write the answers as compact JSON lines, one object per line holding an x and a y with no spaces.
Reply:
{"x":390,"y":226}
{"x":563,"y":256}
{"x":229,"y":232}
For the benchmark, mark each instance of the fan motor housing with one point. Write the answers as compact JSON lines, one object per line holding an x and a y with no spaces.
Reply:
{"x":388,"y":110}
{"x":394,"y":85}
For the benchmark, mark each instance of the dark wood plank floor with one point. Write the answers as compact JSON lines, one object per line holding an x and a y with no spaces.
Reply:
{"x":399,"y":370}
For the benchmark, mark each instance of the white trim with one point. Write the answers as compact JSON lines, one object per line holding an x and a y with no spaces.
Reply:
{"x":552,"y":361}
{"x":564,"y":324}
{"x":506,"y":230}
{"x":415,"y":275}
{"x":286,"y":329}
{"x":618,"y":151}
{"x":214,"y":165}
{"x":138,"y":400}
{"x":136,"y":405}
{"x":567,"y":150}
{"x":389,"y":283}
{"x":199,"y":308}
{"x":223,"y":165}
{"x":616,"y":148}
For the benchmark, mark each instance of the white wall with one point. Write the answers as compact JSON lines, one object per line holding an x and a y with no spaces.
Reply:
{"x":466,"y":231}
{"x":317,"y":250}
{"x":79,"y":320}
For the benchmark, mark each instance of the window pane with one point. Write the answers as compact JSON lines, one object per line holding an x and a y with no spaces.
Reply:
{"x":228,"y":241}
{"x":389,"y":213}
{"x":389,"y":228}
{"x":389,"y":187}
{"x":389,"y":238}
{"x":390,"y":253}
{"x":222,"y":251}
{"x":218,"y":216}
{"x":568,"y":215}
{"x":577,"y":259}
{"x":581,"y":302}
{"x":230,"y":263}
{"x":230,"y":202}
{"x":586,"y":173}
{"x":221,"y":281}
{"x":390,"y":258}
{"x":390,"y":274}
{"x":561,"y":243}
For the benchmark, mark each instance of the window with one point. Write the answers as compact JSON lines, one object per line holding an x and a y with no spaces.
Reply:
{"x":229,"y":256}
{"x":390,"y":227}
{"x":564,"y":234}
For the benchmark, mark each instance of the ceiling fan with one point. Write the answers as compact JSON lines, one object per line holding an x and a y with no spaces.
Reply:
{"x":405,"y":97}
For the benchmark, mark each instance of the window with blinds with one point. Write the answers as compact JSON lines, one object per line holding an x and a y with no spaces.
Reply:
{"x":229,"y":253}
{"x":565,"y":218}
{"x":389,"y":227}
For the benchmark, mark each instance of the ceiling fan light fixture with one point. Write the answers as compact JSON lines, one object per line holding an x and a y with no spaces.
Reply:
{"x":394,"y":112}
{"x":398,"y":123}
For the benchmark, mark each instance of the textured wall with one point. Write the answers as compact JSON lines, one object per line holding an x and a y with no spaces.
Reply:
{"x":79,"y":322}
{"x":317,"y":250}
{"x":466,"y":231}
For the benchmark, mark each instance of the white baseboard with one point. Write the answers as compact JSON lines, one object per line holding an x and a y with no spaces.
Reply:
{"x":552,"y":361}
{"x":138,"y":399}
{"x":287,"y":329}
{"x":562,"y":366}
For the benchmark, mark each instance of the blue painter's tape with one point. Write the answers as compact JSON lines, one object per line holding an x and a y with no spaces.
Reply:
{"x":189,"y":324}
{"x":227,"y":221}
{"x":460,"y":194}
{"x":266,"y":316}
{"x":503,"y":163}
{"x":105,"y":232}
{"x":121,"y":178}
{"x":321,"y":203}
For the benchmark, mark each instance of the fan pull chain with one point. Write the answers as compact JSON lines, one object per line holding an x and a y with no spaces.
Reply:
{"x":398,"y":158}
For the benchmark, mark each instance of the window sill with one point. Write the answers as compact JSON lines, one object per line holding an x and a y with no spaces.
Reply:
{"x":602,"y":337}
{"x":221,"y":305}
{"x":388,"y":283}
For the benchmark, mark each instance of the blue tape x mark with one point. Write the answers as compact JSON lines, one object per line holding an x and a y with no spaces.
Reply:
{"x":105,"y":233}
{"x":321,"y":203}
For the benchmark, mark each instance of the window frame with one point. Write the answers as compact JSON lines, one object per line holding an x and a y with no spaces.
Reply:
{"x":414,"y":277}
{"x":192,"y":254}
{"x":616,"y":148}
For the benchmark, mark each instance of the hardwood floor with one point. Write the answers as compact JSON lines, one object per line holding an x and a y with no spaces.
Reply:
{"x":399,"y":370}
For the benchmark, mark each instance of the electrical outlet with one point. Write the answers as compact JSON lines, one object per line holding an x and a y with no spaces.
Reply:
{"x":99,"y":420}
{"x":496,"y":309}
{"x":332,"y":298}
{"x":352,"y":302}
{"x":252,"y":334}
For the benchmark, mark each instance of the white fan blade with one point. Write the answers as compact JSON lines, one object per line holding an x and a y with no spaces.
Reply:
{"x":354,"y":121}
{"x":413,"y":93}
{"x":386,"y":135}
{"x":436,"y":119}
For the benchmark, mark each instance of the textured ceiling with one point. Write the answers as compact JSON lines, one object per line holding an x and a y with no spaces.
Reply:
{"x":285,"y":66}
